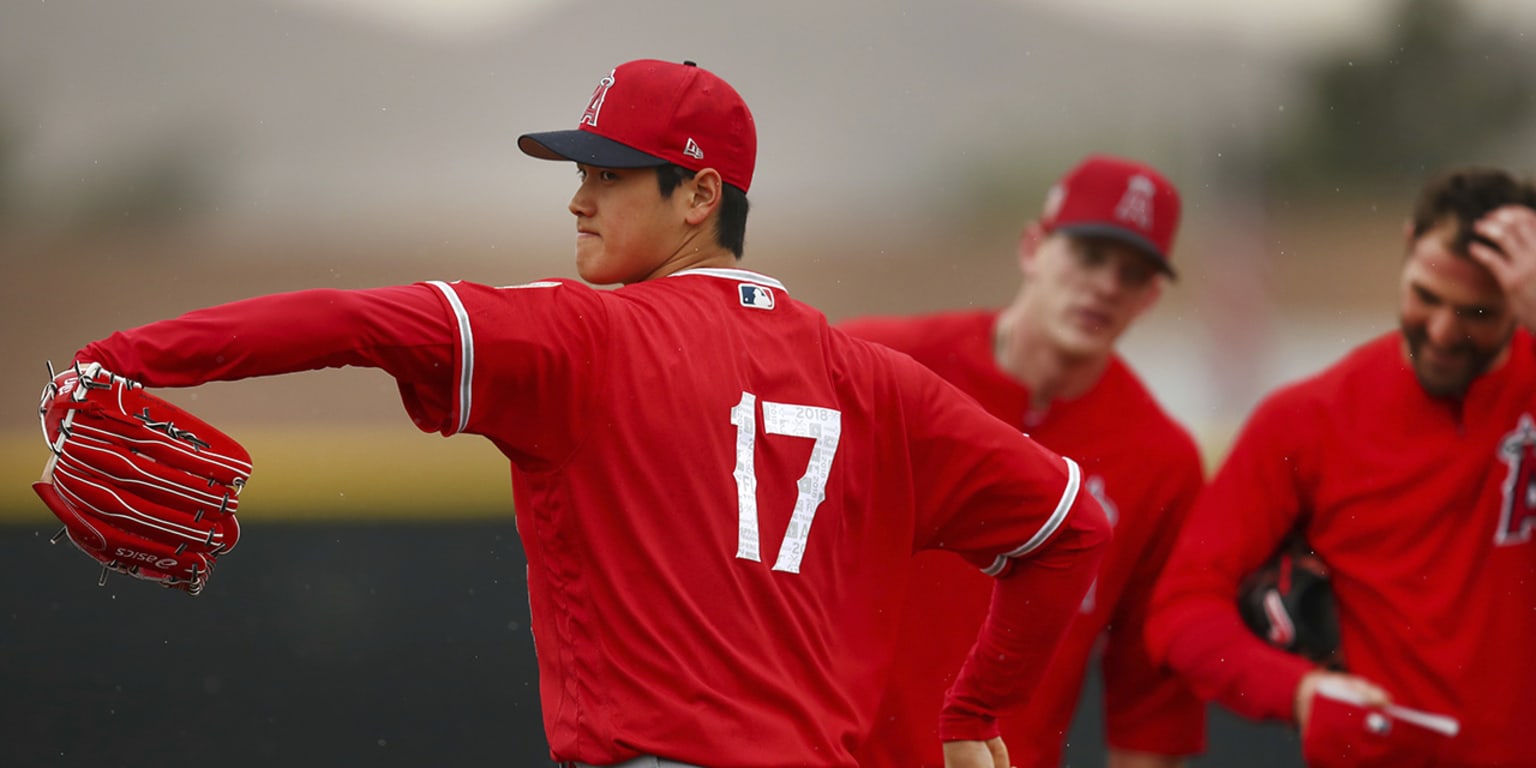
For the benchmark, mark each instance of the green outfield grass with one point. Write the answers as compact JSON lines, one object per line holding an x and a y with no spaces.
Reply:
{"x":360,"y":473}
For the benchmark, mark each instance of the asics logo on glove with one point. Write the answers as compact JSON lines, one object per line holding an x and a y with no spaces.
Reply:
{"x":124,"y":553}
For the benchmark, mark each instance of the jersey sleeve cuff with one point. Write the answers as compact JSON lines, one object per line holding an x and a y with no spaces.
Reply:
{"x":961,"y":726}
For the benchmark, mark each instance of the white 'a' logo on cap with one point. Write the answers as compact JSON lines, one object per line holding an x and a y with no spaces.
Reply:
{"x":692,"y":150}
{"x":595,"y":105}
{"x":1136,"y":204}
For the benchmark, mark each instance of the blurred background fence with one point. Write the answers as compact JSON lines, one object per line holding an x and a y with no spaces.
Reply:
{"x":163,"y":155}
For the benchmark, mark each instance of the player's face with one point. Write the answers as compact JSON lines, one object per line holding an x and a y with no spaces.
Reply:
{"x":1455,"y":320}
{"x":1089,"y":290}
{"x":625,"y":229}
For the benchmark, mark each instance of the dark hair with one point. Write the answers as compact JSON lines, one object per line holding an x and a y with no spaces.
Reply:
{"x":731,"y":224}
{"x":1464,"y":195}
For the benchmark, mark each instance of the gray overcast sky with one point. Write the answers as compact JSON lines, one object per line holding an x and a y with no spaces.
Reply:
{"x":1260,"y":23}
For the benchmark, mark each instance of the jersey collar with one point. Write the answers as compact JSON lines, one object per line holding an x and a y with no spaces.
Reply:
{"x":738,"y":275}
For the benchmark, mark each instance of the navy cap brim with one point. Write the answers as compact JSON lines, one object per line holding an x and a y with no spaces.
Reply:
{"x":585,"y":147}
{"x":1123,"y":235}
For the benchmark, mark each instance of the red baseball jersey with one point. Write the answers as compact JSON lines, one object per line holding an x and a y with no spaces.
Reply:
{"x":717,"y":494}
{"x":1145,"y":471}
{"x":1423,"y":510}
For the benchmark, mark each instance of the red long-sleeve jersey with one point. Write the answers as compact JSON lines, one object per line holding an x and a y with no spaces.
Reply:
{"x":1145,"y":471}
{"x":717,"y":494}
{"x":1424,"y":511}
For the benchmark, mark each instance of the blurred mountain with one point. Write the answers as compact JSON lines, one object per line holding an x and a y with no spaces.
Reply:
{"x":871,"y":113}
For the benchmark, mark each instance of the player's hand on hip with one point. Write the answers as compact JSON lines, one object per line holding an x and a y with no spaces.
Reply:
{"x":1513,"y":263}
{"x":1372,"y":695}
{"x":976,"y":754}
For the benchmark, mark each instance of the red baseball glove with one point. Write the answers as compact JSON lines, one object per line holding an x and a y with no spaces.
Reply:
{"x":141,"y":485}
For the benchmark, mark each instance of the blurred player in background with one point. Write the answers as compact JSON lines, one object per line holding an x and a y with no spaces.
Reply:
{"x":718,"y":494}
{"x":1410,"y":468}
{"x":1046,"y":364}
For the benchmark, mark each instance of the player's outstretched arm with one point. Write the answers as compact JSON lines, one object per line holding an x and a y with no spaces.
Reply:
{"x":392,"y":328}
{"x":1513,"y":263}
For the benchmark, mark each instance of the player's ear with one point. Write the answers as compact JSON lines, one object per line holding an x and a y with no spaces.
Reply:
{"x":1153,"y":292}
{"x":1407,"y":235}
{"x":702,"y":196}
{"x":1029,"y":243}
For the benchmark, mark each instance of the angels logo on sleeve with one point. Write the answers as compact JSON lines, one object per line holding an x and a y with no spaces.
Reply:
{"x":1517,"y":517}
{"x":1095,"y":487}
{"x":755,"y":296}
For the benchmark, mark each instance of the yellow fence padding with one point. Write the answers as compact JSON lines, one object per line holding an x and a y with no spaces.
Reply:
{"x":362,"y":473}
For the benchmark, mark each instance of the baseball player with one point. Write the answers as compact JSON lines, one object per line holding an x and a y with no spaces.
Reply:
{"x":1046,"y":364}
{"x":717,"y":492}
{"x":1408,"y":468}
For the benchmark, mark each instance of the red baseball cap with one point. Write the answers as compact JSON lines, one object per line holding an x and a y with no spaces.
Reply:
{"x":1116,"y":198}
{"x":648,"y":112}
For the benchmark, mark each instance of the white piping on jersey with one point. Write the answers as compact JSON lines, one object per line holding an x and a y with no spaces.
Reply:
{"x":1068,"y":496}
{"x":466,"y":351}
{"x":741,"y":275}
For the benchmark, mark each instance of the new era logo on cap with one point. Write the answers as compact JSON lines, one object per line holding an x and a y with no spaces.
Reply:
{"x":648,"y":112}
{"x":1116,"y":198}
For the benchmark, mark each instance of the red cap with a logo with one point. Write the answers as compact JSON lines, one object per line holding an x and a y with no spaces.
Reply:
{"x":647,"y":112}
{"x":1119,"y":199}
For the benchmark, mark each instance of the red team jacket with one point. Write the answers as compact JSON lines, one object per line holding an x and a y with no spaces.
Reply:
{"x":1144,"y":469}
{"x":717,"y":494}
{"x":1423,"y":510}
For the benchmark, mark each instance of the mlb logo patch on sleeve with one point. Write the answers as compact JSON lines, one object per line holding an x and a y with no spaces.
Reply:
{"x":755,"y":296}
